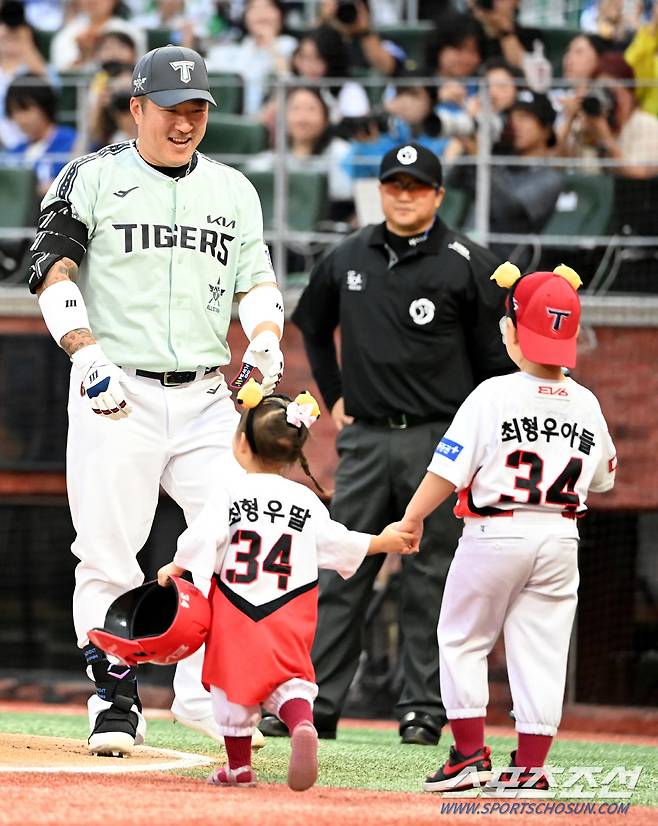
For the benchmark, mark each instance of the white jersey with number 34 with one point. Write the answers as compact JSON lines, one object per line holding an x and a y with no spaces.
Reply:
{"x":520,"y":442}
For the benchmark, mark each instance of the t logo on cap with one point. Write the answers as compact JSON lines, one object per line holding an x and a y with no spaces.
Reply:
{"x":558,"y":317}
{"x":185,"y":67}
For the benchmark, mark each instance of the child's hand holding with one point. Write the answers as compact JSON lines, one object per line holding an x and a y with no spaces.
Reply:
{"x":168,"y":571}
{"x":393,"y":540}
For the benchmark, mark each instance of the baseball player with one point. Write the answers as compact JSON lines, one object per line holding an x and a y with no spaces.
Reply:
{"x":262,"y":540}
{"x":140,"y":251}
{"x":522,"y":452}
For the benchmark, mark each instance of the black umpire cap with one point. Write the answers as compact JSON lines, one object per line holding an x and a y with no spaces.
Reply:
{"x":171,"y":75}
{"x":412,"y":159}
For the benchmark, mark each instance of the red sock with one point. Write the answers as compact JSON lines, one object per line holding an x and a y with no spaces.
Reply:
{"x":469,"y":734}
{"x":295,"y":711}
{"x":238,"y":750}
{"x":533,"y":750}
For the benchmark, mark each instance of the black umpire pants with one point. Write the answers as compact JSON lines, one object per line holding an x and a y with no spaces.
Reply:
{"x":379,"y":469}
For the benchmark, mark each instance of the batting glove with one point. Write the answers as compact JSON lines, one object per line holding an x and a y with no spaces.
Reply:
{"x":265,"y":354}
{"x":102,"y":382}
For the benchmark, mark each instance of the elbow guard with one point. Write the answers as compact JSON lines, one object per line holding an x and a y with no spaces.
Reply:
{"x":261,"y":304}
{"x":59,"y":235}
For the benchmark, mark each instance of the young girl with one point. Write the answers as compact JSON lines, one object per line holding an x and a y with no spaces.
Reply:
{"x":262,"y":539}
{"x":522,"y":451}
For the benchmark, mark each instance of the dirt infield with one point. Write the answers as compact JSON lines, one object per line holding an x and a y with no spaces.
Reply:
{"x":48,"y":781}
{"x":31,"y":753}
{"x":83,"y":800}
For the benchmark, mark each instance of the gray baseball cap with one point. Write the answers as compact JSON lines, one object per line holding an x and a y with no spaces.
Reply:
{"x":171,"y":75}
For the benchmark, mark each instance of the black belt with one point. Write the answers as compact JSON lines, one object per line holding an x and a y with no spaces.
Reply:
{"x":174,"y":377}
{"x":398,"y":421}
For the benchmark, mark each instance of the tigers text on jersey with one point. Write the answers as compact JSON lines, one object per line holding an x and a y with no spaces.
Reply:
{"x":264,"y":540}
{"x":520,"y":442}
{"x":165,"y":256}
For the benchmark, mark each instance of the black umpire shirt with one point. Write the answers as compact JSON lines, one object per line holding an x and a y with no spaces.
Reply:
{"x":419,"y":330}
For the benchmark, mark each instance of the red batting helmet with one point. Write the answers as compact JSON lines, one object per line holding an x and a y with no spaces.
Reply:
{"x":152,"y":624}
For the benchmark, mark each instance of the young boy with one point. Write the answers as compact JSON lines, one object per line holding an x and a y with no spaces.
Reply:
{"x":522,"y":451}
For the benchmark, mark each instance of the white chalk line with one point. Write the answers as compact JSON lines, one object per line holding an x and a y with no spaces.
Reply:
{"x":183,"y":760}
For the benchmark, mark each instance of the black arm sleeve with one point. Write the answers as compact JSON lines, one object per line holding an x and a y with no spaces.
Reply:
{"x":325,"y":369}
{"x":59,"y":235}
{"x":317,"y":315}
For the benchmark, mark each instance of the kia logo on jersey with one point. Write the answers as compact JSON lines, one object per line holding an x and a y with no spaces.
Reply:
{"x":422,"y":311}
{"x":184,"y":67}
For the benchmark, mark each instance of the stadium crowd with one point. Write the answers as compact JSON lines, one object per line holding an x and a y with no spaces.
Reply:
{"x":66,"y":65}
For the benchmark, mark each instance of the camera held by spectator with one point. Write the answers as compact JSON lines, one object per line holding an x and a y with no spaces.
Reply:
{"x":600,"y":101}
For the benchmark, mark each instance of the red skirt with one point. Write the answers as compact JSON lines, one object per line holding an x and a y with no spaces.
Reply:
{"x":247,"y":658}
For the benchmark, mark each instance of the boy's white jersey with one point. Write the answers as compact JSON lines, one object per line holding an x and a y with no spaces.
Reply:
{"x":265,"y":537}
{"x":520,"y":442}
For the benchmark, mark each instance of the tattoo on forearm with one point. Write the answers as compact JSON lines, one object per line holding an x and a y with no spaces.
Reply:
{"x":75,"y":340}
{"x":62,"y":270}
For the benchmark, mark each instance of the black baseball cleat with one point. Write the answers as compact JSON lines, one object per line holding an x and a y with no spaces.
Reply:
{"x":115,"y":732}
{"x":523,"y":783}
{"x":461,"y":772}
{"x":419,"y":729}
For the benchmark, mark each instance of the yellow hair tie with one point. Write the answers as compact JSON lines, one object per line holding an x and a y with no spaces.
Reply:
{"x":506,"y":275}
{"x":570,"y":275}
{"x":250,"y":394}
{"x":307,"y":398}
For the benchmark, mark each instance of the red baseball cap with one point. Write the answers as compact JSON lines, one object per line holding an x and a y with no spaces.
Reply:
{"x":546,"y":311}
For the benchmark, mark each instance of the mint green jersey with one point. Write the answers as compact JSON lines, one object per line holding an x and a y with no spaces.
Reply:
{"x":165,"y":257}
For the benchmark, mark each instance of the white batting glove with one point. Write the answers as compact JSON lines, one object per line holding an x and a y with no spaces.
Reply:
{"x":265,"y":354}
{"x":102,"y":382}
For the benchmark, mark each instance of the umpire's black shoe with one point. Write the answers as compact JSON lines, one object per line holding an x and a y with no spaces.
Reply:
{"x":271,"y":726}
{"x":419,"y":729}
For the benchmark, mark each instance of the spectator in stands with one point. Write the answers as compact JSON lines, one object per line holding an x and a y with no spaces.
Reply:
{"x":263,"y":52}
{"x":115,"y":59}
{"x":579,"y":65}
{"x":503,"y":83}
{"x":30,"y":103}
{"x":613,"y":20}
{"x":611,"y":125}
{"x":366,"y":50}
{"x":411,"y":115}
{"x":454,"y":55}
{"x":501,"y":33}
{"x":115,"y":48}
{"x":311,"y":145}
{"x":642,"y":55}
{"x":322,"y":53}
{"x":74,"y":47}
{"x":110,"y":120}
{"x":522,"y":197}
{"x":184,"y":24}
{"x":18,"y":56}
{"x":501,"y":36}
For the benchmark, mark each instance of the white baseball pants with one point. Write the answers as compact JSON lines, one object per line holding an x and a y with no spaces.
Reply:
{"x":518,"y":575}
{"x":177,"y":437}
{"x":236,"y":720}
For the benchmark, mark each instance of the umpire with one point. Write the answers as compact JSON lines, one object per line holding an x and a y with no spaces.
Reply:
{"x":418,"y":318}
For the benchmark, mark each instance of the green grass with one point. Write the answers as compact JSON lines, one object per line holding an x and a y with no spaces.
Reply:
{"x":362,"y":758}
